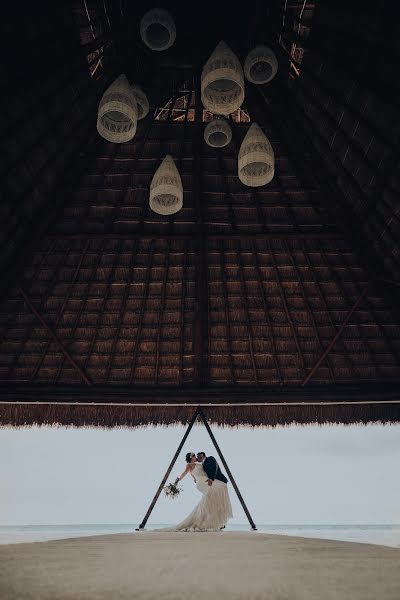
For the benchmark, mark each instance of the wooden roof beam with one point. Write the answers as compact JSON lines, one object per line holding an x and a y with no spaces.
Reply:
{"x":158,"y":235}
{"x":337,"y":335}
{"x":55,"y":337}
{"x":228,"y":395}
{"x":62,"y":309}
{"x":201,"y":334}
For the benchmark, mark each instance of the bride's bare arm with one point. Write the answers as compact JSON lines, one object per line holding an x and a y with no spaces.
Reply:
{"x":185,"y":472}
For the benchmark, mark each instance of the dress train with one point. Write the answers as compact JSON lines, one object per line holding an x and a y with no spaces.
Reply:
{"x":213,"y":510}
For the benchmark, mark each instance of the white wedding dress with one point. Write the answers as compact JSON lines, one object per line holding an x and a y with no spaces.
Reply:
{"x":213,"y":510}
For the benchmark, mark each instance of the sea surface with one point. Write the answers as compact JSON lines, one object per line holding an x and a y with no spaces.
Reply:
{"x":386,"y":535}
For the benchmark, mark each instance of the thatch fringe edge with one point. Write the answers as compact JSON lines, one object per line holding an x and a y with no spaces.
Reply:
{"x":107,"y":417}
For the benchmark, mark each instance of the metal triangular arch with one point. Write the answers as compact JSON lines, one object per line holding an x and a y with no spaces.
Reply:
{"x":197,"y":413}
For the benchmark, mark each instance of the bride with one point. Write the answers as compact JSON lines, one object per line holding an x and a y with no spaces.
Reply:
{"x":214,"y":508}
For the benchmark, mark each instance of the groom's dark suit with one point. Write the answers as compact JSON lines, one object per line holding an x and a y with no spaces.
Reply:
{"x":212,"y":469}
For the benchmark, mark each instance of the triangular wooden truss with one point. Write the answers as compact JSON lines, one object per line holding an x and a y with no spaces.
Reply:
{"x":198,"y":413}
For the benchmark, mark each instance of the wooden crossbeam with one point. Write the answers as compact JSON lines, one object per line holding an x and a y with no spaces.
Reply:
{"x":286,"y":308}
{"x":62,"y":309}
{"x":228,"y":395}
{"x":55,"y":337}
{"x":189,"y":236}
{"x":337,"y":335}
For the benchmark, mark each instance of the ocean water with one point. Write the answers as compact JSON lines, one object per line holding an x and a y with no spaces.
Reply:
{"x":386,"y":535}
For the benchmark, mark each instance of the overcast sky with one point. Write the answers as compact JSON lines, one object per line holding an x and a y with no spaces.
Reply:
{"x":287,"y":475}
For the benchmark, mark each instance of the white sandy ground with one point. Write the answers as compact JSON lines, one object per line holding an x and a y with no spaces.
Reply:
{"x":177,"y":566}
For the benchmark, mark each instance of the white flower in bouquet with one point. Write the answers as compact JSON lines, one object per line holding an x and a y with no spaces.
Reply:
{"x":172,"y":490}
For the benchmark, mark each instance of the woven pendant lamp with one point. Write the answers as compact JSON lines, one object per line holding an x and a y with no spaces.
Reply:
{"x":256,"y":163}
{"x":166,"y":190}
{"x":222,"y":81}
{"x":218,"y":133}
{"x":260,"y":65}
{"x":141,"y":101}
{"x":117,"y":115}
{"x":157,"y":29}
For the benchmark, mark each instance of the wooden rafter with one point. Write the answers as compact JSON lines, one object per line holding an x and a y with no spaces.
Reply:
{"x":337,"y":335}
{"x":62,"y":309}
{"x":55,"y":337}
{"x":201,"y":312}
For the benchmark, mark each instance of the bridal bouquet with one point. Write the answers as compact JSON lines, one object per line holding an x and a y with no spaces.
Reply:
{"x":171,"y":490}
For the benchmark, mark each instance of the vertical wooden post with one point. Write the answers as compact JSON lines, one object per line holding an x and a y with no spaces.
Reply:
{"x":239,"y":495}
{"x":152,"y":505}
{"x":200,"y":326}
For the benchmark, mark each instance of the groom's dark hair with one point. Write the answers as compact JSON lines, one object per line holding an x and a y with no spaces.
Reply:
{"x":203,"y":453}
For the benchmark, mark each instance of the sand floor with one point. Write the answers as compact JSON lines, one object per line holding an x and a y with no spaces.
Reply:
{"x":219,"y":565}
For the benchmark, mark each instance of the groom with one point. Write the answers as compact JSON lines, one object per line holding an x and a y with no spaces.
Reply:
{"x":211,"y":468}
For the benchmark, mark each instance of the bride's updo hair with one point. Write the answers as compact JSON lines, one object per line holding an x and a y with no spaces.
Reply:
{"x":189,"y":456}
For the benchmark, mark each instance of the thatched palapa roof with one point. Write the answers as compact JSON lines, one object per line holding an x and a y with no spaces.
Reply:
{"x":264,"y":305}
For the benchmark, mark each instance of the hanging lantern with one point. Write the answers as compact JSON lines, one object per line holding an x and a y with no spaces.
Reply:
{"x":157,"y":29}
{"x":166,"y":190}
{"x":256,"y":164}
{"x":218,"y":133}
{"x":260,"y":65}
{"x":117,"y":115}
{"x":222,"y":81}
{"x":141,"y":101}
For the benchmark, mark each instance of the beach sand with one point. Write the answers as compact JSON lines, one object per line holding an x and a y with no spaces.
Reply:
{"x":220,"y":565}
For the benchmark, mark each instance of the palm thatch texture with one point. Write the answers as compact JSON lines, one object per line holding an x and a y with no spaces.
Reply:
{"x":118,"y":112}
{"x":222,"y":81}
{"x":117,"y":283}
{"x":351,"y":119}
{"x":217,"y":133}
{"x":166,"y":191}
{"x":267,"y":304}
{"x":157,"y":29}
{"x":261,"y":65}
{"x":141,"y":101}
{"x":256,"y":163}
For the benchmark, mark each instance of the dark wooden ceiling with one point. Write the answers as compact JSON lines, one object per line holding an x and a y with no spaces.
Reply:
{"x":274,"y":291}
